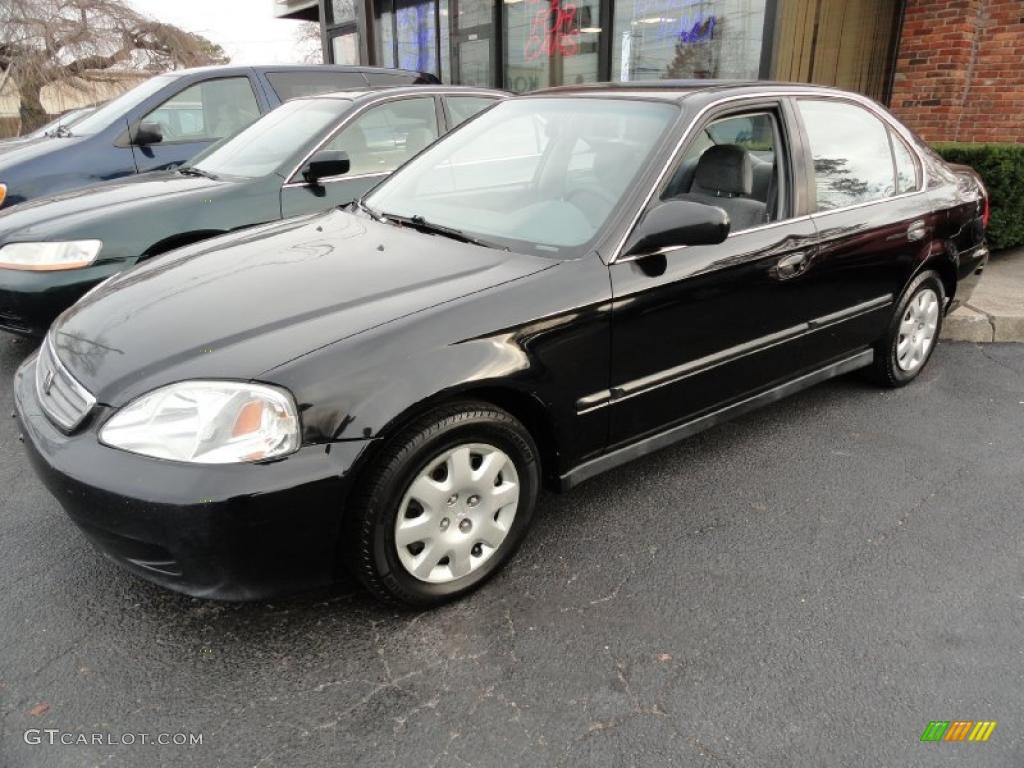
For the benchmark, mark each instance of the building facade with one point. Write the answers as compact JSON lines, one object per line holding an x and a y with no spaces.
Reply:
{"x":942,"y":65}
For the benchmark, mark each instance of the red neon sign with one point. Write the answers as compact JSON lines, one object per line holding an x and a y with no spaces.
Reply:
{"x":553,"y":28}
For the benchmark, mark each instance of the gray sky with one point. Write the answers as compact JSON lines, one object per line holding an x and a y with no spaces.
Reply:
{"x":246,"y":29}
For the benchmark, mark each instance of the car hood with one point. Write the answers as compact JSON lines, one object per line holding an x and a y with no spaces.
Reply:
{"x":28,"y":149}
{"x":241,"y":304}
{"x":46,"y":217}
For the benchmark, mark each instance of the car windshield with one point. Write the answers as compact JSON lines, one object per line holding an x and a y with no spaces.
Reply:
{"x":536,"y":174}
{"x":265,"y":145}
{"x":102,"y":118}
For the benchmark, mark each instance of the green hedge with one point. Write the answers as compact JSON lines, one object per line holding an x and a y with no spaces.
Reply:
{"x":1002,"y":168}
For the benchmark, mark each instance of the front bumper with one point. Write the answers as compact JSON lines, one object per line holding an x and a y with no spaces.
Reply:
{"x":30,"y":301}
{"x":229,"y":531}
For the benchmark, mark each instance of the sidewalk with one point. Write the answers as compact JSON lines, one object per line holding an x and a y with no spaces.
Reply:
{"x":996,"y":310}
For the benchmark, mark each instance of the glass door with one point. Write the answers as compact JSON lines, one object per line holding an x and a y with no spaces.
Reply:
{"x":472,"y":38}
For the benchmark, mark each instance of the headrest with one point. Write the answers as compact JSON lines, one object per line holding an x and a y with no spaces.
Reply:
{"x":725,"y":169}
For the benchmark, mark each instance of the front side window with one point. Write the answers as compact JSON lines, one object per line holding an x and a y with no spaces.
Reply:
{"x":541,"y":175}
{"x":734,"y":163}
{"x":853,"y":162}
{"x":264,"y":146}
{"x":384,"y":137}
{"x":206,"y":111}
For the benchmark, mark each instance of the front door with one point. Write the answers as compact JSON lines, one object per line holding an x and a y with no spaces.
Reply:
{"x":377,"y":141}
{"x":194,"y":118}
{"x":709,"y":325}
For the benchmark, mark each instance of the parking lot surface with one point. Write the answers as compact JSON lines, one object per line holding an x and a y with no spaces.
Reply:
{"x":809,"y":585}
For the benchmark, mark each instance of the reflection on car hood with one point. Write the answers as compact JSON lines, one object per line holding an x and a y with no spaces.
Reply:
{"x":241,"y":304}
{"x":111,"y":200}
{"x":27,"y":149}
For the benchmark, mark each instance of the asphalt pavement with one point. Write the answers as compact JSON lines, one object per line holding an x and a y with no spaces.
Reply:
{"x":807,"y":586}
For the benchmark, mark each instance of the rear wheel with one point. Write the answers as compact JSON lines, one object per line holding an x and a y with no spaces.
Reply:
{"x":446,"y":503}
{"x":908,"y":344}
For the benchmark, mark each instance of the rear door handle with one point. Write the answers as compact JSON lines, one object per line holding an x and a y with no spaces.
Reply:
{"x":792,"y":265}
{"x":917,"y":231}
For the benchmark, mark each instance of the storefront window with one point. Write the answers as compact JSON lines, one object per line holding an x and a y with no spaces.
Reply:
{"x":473,"y":32}
{"x":345,"y":48}
{"x":416,"y":32}
{"x":656,"y":39}
{"x":343,"y":11}
{"x":551,"y":42}
{"x":384,"y":28}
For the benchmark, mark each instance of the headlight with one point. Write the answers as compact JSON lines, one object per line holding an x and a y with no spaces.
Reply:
{"x":208,"y":422}
{"x":49,"y":256}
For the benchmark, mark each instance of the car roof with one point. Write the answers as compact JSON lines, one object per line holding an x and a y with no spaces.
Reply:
{"x":390,"y":90}
{"x":677,"y":90}
{"x":237,"y":68}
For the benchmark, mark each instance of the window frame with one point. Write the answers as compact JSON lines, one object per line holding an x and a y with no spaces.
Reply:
{"x":780,"y":138}
{"x":796,"y":133}
{"x":892,"y":129}
{"x":295,"y":180}
{"x":789,"y":139}
{"x":260,"y":110}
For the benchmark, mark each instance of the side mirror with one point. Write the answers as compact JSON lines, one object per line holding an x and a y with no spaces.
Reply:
{"x":147,"y":133}
{"x":325,"y":163}
{"x":675,"y":223}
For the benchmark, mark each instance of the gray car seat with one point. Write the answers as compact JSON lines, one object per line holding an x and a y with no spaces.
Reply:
{"x":724,"y":178}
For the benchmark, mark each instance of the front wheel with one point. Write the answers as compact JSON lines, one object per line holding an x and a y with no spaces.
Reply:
{"x":908,"y":344}
{"x":446,"y":503}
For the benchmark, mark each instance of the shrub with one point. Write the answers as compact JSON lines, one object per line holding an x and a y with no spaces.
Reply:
{"x":1002,"y":168}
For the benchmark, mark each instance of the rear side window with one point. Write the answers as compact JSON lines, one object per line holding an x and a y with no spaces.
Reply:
{"x":853,"y":162}
{"x":461,"y":108}
{"x":292,"y":85}
{"x":906,"y":169}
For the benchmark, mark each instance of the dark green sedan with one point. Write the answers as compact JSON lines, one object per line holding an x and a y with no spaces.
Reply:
{"x":308,"y":155}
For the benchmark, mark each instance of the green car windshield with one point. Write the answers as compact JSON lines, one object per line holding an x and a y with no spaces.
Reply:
{"x":266,"y":145}
{"x":540,"y":175}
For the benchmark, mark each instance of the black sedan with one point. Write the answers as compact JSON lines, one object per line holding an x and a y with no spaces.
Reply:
{"x":572,"y":280}
{"x":307,"y":155}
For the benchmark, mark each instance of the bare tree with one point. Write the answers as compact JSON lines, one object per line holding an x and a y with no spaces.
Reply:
{"x":307,"y":43}
{"x":47,"y":41}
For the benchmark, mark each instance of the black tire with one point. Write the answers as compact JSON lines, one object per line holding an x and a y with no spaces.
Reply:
{"x":369,"y":547}
{"x":885,"y":370}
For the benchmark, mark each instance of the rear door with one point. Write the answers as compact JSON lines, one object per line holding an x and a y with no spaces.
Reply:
{"x":377,"y":140}
{"x":196,"y":116}
{"x":872,"y":214}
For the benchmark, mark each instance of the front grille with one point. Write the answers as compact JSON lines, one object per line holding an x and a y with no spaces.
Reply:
{"x":63,"y":400}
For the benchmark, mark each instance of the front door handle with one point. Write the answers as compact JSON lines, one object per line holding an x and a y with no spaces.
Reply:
{"x":791,"y":265}
{"x":917,"y":231}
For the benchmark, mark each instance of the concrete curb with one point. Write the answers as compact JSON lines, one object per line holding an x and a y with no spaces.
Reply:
{"x":996,"y":310}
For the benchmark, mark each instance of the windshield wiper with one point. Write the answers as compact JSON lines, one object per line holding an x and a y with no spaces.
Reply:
{"x":191,"y":170}
{"x":376,"y":216}
{"x":60,"y":132}
{"x":420,"y":224}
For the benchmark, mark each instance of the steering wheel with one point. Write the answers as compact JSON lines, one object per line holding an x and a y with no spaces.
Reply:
{"x":599,"y":204}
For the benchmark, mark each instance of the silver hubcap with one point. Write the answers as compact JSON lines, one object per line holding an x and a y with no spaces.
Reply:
{"x":456,"y":513}
{"x":917,"y":330}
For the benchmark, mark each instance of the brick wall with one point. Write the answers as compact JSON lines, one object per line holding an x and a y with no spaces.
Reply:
{"x":960,"y":70}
